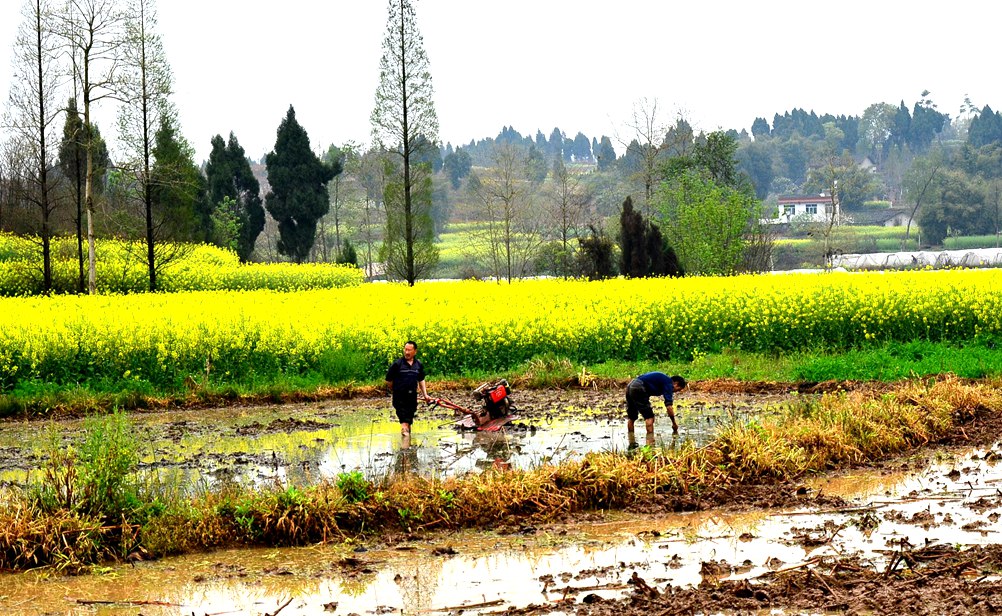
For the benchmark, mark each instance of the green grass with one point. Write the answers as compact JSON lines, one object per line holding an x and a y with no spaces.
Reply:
{"x":971,"y":242}
{"x":891,"y":362}
{"x":455,"y":246}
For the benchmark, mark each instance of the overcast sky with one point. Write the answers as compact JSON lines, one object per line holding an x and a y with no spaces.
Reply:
{"x":580,"y":65}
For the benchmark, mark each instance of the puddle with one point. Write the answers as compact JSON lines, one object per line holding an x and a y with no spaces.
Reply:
{"x":304,"y":443}
{"x":954,"y":501}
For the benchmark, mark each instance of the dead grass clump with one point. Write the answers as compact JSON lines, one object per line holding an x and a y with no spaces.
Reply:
{"x":963,"y":400}
{"x":544,"y":371}
{"x":851,"y":428}
{"x":30,"y":537}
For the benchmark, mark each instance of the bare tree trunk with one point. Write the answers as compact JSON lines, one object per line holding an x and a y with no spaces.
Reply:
{"x":407,"y":137}
{"x":920,"y":198}
{"x":91,"y":270}
{"x":151,"y":264}
{"x":337,"y":218}
{"x":89,"y":199}
{"x":78,"y":194}
{"x":43,"y":161}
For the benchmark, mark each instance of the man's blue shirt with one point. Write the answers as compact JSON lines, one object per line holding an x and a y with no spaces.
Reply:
{"x":658,"y":384}
{"x":405,"y":377}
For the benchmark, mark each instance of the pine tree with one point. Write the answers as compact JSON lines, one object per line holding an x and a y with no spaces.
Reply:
{"x":178,"y":187}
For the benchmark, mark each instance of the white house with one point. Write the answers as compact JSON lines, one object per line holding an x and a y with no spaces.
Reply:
{"x":806,"y":208}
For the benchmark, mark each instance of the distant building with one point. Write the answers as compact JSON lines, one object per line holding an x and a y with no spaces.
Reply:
{"x":867,"y":165}
{"x":805,"y":208}
{"x":883,"y":217}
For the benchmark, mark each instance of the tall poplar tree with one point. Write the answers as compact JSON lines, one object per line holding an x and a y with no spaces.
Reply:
{"x":404,"y":122}
{"x":145,"y":88}
{"x":33,"y":119}
{"x":72,"y":163}
{"x":298,"y":197}
{"x":92,"y":29}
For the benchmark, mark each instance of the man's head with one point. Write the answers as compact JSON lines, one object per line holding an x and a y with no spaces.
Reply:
{"x":679,"y":383}
{"x":410,"y":350}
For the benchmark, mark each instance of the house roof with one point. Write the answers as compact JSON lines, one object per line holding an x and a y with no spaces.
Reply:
{"x":804,"y":199}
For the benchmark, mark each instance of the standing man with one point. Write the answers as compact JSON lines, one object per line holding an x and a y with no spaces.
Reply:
{"x":638,"y":398}
{"x":404,"y":379}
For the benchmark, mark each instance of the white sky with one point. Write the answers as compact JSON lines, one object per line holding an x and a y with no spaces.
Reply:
{"x":579,"y":65}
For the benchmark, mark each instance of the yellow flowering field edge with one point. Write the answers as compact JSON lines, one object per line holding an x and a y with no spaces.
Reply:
{"x":256,"y":338}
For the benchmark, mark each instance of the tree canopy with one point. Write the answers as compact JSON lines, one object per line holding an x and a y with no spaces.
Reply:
{"x":298,"y":196}
{"x":229,"y":175}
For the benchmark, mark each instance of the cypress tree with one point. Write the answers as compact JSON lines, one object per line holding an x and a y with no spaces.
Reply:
{"x":229,"y":175}
{"x":594,"y":258}
{"x":633,"y":258}
{"x":298,"y":197}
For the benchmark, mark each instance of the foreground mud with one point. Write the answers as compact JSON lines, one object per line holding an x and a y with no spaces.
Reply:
{"x":930,"y":580}
{"x":928,"y":576}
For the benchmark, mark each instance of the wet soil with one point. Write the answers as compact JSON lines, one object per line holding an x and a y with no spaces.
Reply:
{"x":930,"y":578}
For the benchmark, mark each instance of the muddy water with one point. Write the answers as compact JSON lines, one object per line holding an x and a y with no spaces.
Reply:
{"x":304,"y":443}
{"x":953,"y":500}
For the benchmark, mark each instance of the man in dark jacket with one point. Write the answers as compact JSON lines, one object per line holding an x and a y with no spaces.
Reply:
{"x":639,"y":392}
{"x":405,"y":379}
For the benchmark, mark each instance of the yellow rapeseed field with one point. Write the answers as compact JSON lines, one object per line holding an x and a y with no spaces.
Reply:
{"x":121,"y":268}
{"x":351,"y":333}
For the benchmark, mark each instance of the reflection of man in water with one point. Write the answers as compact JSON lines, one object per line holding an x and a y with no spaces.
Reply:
{"x":406,"y":459}
{"x":404,"y":379}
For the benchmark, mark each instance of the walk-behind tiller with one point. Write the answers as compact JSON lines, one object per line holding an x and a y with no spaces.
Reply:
{"x":496,"y":411}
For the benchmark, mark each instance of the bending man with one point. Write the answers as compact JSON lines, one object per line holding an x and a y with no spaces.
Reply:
{"x":638,"y":398}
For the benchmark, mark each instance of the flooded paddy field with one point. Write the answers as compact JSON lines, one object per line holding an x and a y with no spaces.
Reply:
{"x":304,"y":443}
{"x":888,"y":519}
{"x":921,"y":534}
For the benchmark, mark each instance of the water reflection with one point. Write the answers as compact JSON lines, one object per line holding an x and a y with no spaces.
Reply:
{"x":307,"y":443}
{"x":957,"y":497}
{"x":632,"y":437}
{"x":406,"y":459}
